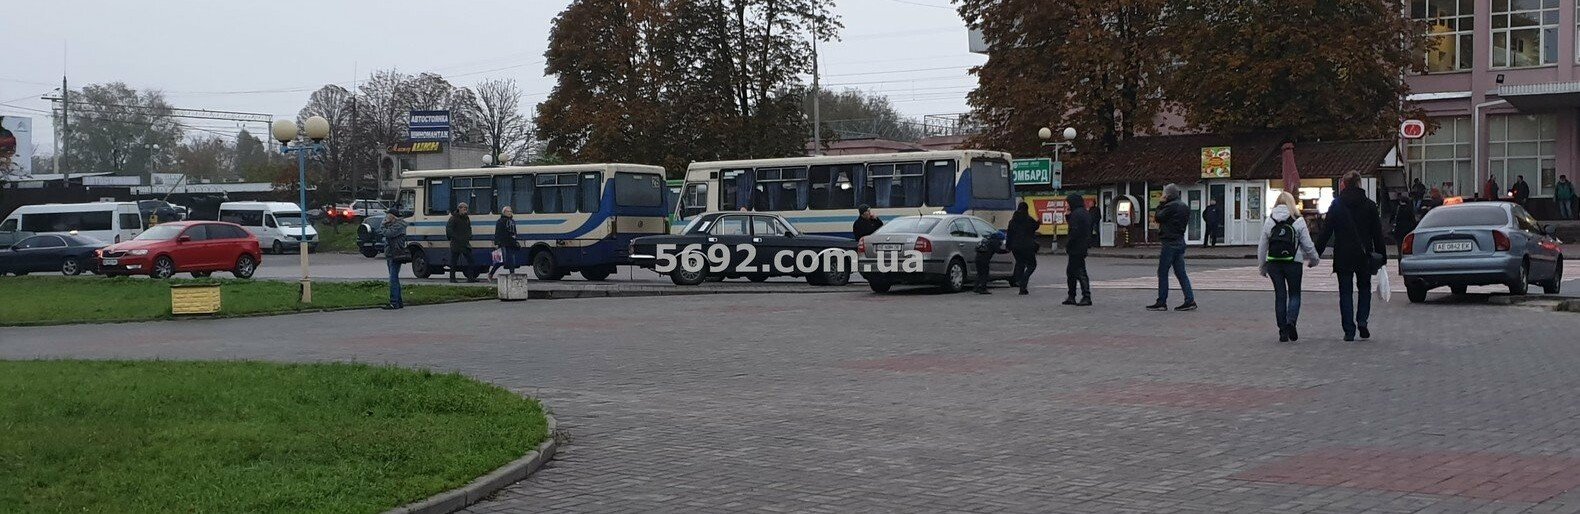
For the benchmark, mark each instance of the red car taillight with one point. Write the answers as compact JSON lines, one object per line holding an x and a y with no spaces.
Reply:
{"x":1500,"y":241}
{"x":1408,"y":246}
{"x":861,"y":246}
{"x":923,"y":245}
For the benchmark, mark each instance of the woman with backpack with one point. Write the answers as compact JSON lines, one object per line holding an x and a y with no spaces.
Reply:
{"x":1285,"y":243}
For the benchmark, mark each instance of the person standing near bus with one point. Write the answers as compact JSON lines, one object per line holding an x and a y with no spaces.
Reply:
{"x":866,"y":223}
{"x":505,"y":240}
{"x":394,"y":231}
{"x":459,"y":232}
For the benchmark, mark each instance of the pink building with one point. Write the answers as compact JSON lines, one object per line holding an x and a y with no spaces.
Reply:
{"x":1503,"y":87}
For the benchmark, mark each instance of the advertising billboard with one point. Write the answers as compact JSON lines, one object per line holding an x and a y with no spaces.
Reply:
{"x":428,"y":126}
{"x":16,"y":146}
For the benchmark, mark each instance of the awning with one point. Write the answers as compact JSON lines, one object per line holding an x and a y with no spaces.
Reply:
{"x":1542,"y":97}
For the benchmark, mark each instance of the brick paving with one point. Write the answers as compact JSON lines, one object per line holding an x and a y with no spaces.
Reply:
{"x":965,"y":403}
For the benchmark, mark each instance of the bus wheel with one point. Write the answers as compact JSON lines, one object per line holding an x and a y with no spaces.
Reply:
{"x":597,"y":273}
{"x":545,"y":267}
{"x":419,"y":263}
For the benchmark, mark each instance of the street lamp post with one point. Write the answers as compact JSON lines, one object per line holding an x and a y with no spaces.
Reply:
{"x":1046,"y":134}
{"x":316,"y":129}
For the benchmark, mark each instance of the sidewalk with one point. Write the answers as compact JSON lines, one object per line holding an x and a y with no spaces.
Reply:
{"x":1230,"y":252}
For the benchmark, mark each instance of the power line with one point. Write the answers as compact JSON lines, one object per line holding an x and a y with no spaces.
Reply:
{"x":912,"y":70}
{"x":919,"y":4}
{"x":916,"y":79}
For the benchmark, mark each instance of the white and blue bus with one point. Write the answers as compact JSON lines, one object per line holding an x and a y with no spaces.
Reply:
{"x":820,"y":195}
{"x":573,"y":218}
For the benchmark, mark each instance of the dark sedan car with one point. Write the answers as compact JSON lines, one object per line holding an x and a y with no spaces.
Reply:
{"x":745,"y":244}
{"x":68,"y":254}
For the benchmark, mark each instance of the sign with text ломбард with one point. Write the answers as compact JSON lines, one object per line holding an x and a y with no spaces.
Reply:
{"x":1038,"y":172}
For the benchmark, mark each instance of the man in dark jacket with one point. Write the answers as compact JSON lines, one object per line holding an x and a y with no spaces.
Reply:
{"x":458,"y":230}
{"x":866,"y":223}
{"x":1080,"y":221}
{"x":1172,"y":216}
{"x":1354,"y":229}
{"x":1521,"y":190}
{"x":1212,"y":216}
{"x":1022,"y":242}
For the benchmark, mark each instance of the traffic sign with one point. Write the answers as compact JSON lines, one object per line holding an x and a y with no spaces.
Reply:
{"x":1038,"y":172}
{"x":1412,"y":129}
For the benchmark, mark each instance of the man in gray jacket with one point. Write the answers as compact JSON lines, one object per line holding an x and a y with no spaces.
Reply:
{"x":1172,"y":216}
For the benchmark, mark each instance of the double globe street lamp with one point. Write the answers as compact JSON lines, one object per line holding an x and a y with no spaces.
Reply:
{"x":1046,"y":135}
{"x":316,"y":129}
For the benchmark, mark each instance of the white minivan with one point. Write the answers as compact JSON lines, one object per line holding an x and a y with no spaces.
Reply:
{"x":111,"y":222}
{"x":278,"y":225}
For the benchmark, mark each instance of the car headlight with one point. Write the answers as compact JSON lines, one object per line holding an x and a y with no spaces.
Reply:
{"x":137,"y":252}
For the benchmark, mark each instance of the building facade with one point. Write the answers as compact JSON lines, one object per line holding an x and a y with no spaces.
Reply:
{"x":1502,"y":88}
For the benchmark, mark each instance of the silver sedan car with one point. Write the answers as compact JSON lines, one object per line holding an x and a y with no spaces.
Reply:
{"x":946,"y":244}
{"x":1481,"y":243}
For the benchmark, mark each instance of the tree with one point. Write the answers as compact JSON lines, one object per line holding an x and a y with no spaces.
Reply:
{"x":1311,"y":68}
{"x":852,"y":113}
{"x":341,"y":160}
{"x":503,"y":128}
{"x":1096,"y":65}
{"x":207,"y":157}
{"x":117,"y":128}
{"x":249,"y":153}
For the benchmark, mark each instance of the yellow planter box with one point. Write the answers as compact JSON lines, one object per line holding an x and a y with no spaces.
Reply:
{"x":194,"y":299}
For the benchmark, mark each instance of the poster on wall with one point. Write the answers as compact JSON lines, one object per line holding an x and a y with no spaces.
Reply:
{"x":1215,"y":162}
{"x":16,"y":146}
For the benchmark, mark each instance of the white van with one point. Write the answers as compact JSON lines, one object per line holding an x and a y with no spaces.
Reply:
{"x":278,"y":225}
{"x":111,"y":222}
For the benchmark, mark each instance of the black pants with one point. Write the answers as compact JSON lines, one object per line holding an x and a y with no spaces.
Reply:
{"x":1025,"y":265}
{"x":1075,"y":274}
{"x":1286,"y":291}
{"x":458,"y":254}
{"x":983,"y":260}
{"x":508,"y":262}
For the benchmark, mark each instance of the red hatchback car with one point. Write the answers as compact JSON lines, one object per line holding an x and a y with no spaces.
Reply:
{"x":197,"y":247}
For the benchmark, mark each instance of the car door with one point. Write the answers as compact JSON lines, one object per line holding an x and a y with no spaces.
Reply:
{"x":770,"y":236}
{"x":963,"y":239}
{"x":192,"y":253}
{"x":32,"y":253}
{"x":1540,"y":247}
{"x":731,"y":231}
{"x":1001,"y":265}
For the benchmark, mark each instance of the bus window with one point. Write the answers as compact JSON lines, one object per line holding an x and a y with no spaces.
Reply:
{"x":941,"y":183}
{"x":896,"y":184}
{"x":737,"y":185}
{"x":67,"y":221}
{"x":556,"y":193}
{"x":438,"y":197}
{"x":636,"y":190}
{"x":477,"y":193}
{"x":131,"y":221}
{"x":780,"y":189}
{"x":525,"y":187}
{"x":990,"y":179}
{"x":591,"y":192}
{"x":504,"y":193}
{"x":833,"y":187}
{"x":695,"y":200}
{"x":406,"y":203}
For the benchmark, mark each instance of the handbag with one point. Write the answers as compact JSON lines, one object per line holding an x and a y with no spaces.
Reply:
{"x":1374,"y":261}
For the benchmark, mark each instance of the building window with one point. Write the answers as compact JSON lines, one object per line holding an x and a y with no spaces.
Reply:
{"x":1451,"y":27}
{"x":1524,"y":33}
{"x":1523,"y":145}
{"x":1442,"y":159}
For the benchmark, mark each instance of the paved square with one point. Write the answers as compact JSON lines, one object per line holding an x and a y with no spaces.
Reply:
{"x":1509,"y":477}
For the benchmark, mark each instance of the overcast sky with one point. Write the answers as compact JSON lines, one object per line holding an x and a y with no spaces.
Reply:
{"x":241,"y":56}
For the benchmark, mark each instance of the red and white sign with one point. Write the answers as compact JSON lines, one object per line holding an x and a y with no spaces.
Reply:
{"x":1412,"y":129}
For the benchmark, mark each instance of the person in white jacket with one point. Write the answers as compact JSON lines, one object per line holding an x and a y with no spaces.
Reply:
{"x":1285,"y":242}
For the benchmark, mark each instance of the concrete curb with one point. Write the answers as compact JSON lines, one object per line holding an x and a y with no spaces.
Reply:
{"x":486,"y":485}
{"x":1188,"y":256}
{"x":1569,"y":306}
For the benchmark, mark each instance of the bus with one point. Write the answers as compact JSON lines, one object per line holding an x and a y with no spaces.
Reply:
{"x":111,"y":222}
{"x":572,"y":218}
{"x":672,"y":196}
{"x":820,"y":195}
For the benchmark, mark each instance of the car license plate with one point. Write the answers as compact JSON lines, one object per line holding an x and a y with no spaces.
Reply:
{"x":111,"y":262}
{"x":888,"y":247}
{"x":1452,"y":246}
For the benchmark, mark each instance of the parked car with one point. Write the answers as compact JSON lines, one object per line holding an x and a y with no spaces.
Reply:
{"x":1480,"y":243}
{"x":947,"y":243}
{"x":69,"y":254}
{"x":278,"y":225}
{"x":197,"y":247}
{"x":357,"y":209}
{"x":768,"y":234}
{"x":369,"y":241}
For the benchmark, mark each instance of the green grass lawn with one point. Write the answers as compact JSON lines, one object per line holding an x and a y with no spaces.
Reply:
{"x":154,"y":436}
{"x":63,"y":300}
{"x":337,"y":239}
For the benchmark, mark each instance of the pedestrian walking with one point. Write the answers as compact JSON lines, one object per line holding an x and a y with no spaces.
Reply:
{"x":1212,"y":217}
{"x":505,"y":242}
{"x":989,"y":245}
{"x":866,"y":223}
{"x":1564,"y":194}
{"x":1489,"y":189}
{"x":1433,"y":201}
{"x":1520,"y":190}
{"x":1080,"y":221}
{"x":1417,"y":194}
{"x":1285,"y":244}
{"x":1023,"y":244}
{"x":1354,"y":231}
{"x":394,"y":231}
{"x":1172,"y":216}
{"x":458,"y":230}
{"x":1404,"y":221}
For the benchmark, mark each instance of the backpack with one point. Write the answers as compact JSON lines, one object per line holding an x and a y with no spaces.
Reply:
{"x":1282,"y":240}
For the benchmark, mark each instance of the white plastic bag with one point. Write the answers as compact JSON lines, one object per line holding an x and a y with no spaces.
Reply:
{"x":498,"y":256}
{"x":1381,"y":284}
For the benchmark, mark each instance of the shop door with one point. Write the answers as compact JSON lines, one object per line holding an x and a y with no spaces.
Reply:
{"x":1220,"y":193}
{"x":1244,"y":214}
{"x":1105,"y":230}
{"x":1196,"y":230}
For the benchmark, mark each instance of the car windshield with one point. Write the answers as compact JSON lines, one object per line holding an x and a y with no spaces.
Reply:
{"x":288,"y":219}
{"x":1465,"y":216}
{"x":909,"y":226}
{"x":160,"y":233}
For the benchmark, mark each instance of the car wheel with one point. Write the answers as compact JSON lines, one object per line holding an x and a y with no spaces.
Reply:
{"x":163,"y":268}
{"x":70,"y":267}
{"x":277,"y":248}
{"x":1415,"y":290}
{"x":1522,"y":284}
{"x":1553,"y":285}
{"x":201,"y":274}
{"x":682,"y":277}
{"x":1458,"y":290}
{"x":245,"y":266}
{"x":955,"y":278}
{"x":370,"y":252}
{"x":597,"y":273}
{"x":419,"y":263}
{"x":839,"y":278}
{"x":879,"y":286}
{"x":546,"y":267}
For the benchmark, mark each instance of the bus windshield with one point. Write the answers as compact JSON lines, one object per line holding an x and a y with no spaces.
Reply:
{"x":990,"y":179}
{"x":288,"y":219}
{"x":638,"y":190}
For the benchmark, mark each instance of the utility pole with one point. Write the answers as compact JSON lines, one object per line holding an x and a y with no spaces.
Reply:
{"x":817,"y":91}
{"x":63,"y":141}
